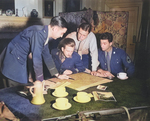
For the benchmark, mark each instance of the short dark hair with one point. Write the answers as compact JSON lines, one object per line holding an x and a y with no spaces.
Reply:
{"x":106,"y":35}
{"x":58,"y":21}
{"x":66,"y":41}
{"x":85,"y":27}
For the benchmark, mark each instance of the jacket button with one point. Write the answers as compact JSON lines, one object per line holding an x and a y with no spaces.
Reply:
{"x":18,"y":58}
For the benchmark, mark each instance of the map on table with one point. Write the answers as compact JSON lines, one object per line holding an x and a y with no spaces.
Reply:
{"x":82,"y":81}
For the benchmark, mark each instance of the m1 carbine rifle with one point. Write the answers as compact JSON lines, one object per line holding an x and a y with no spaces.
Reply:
{"x":83,"y":114}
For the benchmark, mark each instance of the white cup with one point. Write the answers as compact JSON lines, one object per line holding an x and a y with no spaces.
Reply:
{"x":61,"y":102}
{"x":60,"y":91}
{"x":82,"y":96}
{"x":122,"y":75}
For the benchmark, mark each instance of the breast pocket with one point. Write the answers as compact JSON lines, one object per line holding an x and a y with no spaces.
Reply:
{"x":18,"y":56}
{"x":118,"y":61}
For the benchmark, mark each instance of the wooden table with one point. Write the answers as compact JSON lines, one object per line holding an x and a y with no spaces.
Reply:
{"x":128,"y":93}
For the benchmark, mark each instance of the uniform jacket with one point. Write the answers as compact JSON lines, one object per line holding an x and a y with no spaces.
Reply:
{"x":14,"y":59}
{"x":74,"y":63}
{"x":119,"y":61}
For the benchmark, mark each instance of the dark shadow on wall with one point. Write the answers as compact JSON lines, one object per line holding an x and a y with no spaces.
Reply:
{"x":142,"y":56}
{"x":142,"y":52}
{"x":7,"y":33}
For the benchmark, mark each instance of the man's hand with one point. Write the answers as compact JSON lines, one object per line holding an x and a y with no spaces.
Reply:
{"x":97,"y":74}
{"x":63,"y":76}
{"x":87,"y":70}
{"x":67,"y":72}
{"x":93,"y":73}
{"x":50,"y":84}
{"x":105,"y":73}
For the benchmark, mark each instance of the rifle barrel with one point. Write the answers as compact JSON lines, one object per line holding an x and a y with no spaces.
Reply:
{"x":112,"y":111}
{"x":101,"y":112}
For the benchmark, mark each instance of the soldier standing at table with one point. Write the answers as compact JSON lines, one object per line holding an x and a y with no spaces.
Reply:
{"x":34,"y":40}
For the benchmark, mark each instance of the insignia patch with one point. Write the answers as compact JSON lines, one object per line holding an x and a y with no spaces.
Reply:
{"x":128,"y":59}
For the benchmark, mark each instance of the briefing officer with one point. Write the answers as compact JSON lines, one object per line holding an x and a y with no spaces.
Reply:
{"x":34,"y":40}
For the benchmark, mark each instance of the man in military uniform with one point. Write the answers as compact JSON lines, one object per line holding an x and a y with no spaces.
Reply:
{"x":112,"y":60}
{"x":34,"y":39}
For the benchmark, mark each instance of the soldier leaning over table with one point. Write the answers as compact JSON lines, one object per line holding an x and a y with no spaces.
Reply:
{"x":34,"y":39}
{"x":67,"y":61}
{"x":86,"y":45}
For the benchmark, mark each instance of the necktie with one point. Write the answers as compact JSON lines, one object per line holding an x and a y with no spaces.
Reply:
{"x":80,"y":50}
{"x":108,"y":61}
